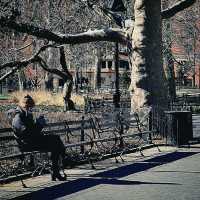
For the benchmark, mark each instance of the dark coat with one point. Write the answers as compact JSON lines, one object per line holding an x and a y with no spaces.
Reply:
{"x":28,"y":133}
{"x":24,"y":125}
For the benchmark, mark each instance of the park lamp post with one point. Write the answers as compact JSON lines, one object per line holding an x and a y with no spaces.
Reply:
{"x":116,"y":95}
{"x":116,"y":8}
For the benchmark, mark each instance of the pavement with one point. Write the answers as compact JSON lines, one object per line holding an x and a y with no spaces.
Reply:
{"x":169,"y":174}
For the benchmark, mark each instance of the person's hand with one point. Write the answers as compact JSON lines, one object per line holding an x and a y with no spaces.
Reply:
{"x":41,"y":121}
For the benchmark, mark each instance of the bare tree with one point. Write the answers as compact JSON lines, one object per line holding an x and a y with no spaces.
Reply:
{"x":187,"y":38}
{"x":168,"y":56}
{"x":97,"y":72}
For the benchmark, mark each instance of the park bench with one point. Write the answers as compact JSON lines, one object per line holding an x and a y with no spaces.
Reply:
{"x":14,"y":159}
{"x":85,"y":140}
{"x":131,"y":132}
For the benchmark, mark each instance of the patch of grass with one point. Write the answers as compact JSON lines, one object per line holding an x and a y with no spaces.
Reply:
{"x":44,"y":98}
{"x":4,"y":97}
{"x":195,"y":109}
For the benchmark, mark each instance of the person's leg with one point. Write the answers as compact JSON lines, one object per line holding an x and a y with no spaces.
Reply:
{"x":53,"y":144}
{"x":57,"y":149}
{"x":55,"y":168}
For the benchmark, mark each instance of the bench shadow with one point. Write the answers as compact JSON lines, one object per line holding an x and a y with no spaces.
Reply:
{"x":106,"y":177}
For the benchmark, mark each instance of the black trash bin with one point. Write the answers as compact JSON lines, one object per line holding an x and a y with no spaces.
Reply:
{"x":179,"y":127}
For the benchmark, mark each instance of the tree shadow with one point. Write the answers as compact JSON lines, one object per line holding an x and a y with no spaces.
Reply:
{"x":175,"y":171}
{"x":149,"y":163}
{"x":106,"y":177}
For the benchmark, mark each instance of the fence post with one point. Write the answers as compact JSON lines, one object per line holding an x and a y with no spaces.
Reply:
{"x":121,"y":131}
{"x":82,"y":134}
{"x":32,"y":161}
{"x":150,"y":121}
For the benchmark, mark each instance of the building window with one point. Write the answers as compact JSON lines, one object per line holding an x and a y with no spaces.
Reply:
{"x":124,"y":64}
{"x":103,"y":80}
{"x":61,"y":82}
{"x":34,"y":66}
{"x":103,"y":64}
{"x":109,"y":64}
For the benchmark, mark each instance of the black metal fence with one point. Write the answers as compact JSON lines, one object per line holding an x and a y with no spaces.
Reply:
{"x":95,"y":136}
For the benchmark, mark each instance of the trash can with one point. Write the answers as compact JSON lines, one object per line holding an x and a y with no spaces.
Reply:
{"x":179,"y":127}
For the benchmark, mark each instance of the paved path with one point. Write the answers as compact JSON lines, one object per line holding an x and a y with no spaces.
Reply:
{"x":169,"y":174}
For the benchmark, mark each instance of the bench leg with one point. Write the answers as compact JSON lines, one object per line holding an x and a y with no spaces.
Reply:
{"x":21,"y":180}
{"x":140,"y":150}
{"x":121,"y":158}
{"x":23,"y":184}
{"x":116,"y":160}
{"x":116,"y":154}
{"x":91,"y":163}
{"x":157,"y":147}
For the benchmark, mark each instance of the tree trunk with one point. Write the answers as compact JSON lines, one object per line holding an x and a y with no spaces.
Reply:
{"x":170,"y":75}
{"x":67,"y":90}
{"x":97,"y":72}
{"x":49,"y":76}
{"x":116,"y":95}
{"x":68,"y":85}
{"x":51,"y":56}
{"x":148,"y":85}
{"x":168,"y":57}
{"x":76,"y":79}
{"x":20,"y":82}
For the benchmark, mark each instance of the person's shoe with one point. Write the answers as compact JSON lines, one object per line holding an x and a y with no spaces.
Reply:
{"x":57,"y":176}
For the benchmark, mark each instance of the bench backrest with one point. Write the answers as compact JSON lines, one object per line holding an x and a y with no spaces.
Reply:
{"x":68,"y":130}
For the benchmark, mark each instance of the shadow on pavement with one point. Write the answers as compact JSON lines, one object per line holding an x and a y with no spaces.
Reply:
{"x":107,"y":177}
{"x":182,"y":172}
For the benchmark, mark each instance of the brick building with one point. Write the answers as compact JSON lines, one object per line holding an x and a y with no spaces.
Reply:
{"x":186,"y":47}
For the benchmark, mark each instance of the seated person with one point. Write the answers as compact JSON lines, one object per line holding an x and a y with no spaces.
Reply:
{"x":29,"y":135}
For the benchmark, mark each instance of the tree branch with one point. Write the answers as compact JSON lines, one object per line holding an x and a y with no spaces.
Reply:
{"x":62,"y":59}
{"x":10,"y":64}
{"x":179,"y":6}
{"x":22,"y":48}
{"x":15,"y":65}
{"x":64,"y":64}
{"x":26,"y":61}
{"x":44,"y":65}
{"x":112,"y":35}
{"x":8,"y":74}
